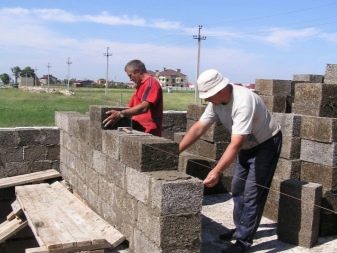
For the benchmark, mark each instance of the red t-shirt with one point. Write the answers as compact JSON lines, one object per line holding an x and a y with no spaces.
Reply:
{"x":150,"y":91}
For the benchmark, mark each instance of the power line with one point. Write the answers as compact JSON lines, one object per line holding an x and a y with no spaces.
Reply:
{"x":199,"y":38}
{"x":48,"y":66}
{"x":107,"y":54}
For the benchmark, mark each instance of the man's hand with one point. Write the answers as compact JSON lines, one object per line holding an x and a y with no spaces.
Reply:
{"x":212,"y":178}
{"x":112,"y":118}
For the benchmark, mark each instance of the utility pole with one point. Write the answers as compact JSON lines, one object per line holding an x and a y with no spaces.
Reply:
{"x":35,"y":70}
{"x":68,"y":74}
{"x":199,"y":38}
{"x":107,"y":54}
{"x":48,"y":66}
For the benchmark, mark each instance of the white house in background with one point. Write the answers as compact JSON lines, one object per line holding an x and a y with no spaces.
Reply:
{"x":171,"y":78}
{"x":44,"y":79}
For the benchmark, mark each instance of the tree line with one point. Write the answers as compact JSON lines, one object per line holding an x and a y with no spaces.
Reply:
{"x":17,"y":72}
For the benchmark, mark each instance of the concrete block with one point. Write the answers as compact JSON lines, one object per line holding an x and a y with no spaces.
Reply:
{"x":217,"y":132}
{"x":111,"y":143}
{"x":83,"y":126}
{"x":11,"y":154}
{"x":174,"y":192}
{"x":331,"y":74}
{"x":308,"y":78}
{"x":328,"y":216}
{"x":98,"y":114}
{"x":9,"y":137}
{"x":50,"y":136}
{"x":74,"y":126}
{"x":85,"y":152}
{"x":271,"y":207}
{"x":272,"y":87}
{"x":148,"y":152}
{"x":291,"y":147}
{"x":316,"y":99}
{"x":194,"y":111}
{"x":275,"y":103}
{"x":319,"y":129}
{"x":95,"y":138}
{"x":53,"y":152}
{"x":177,"y":137}
{"x":212,"y":150}
{"x":92,"y":179}
{"x":287,"y":169}
{"x":317,"y":152}
{"x":138,"y":184}
{"x":33,"y":153}
{"x":115,"y":172}
{"x":321,"y":174}
{"x":143,"y":244}
{"x":199,"y":167}
{"x":125,"y":206}
{"x":99,"y":162}
{"x":62,"y":119}
{"x":290,"y":123}
{"x":302,"y":226}
{"x":173,"y":121}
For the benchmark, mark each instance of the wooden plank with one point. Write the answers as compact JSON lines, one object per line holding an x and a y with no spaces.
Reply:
{"x":9,"y":228}
{"x":61,"y":222}
{"x":45,"y":250}
{"x":34,"y":177}
{"x":16,"y":210}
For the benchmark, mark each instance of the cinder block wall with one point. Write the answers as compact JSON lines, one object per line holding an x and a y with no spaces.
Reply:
{"x":132,"y":181}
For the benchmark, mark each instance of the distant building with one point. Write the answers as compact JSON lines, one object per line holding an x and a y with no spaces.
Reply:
{"x":25,"y":81}
{"x":170,"y":77}
{"x":84,"y":83}
{"x":52,"y":80}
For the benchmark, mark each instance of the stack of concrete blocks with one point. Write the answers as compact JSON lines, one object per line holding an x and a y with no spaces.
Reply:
{"x":24,"y":150}
{"x":132,"y":181}
{"x":173,"y":122}
{"x":317,"y":101}
{"x":289,"y":164}
{"x":276,"y":94}
{"x":201,"y":157}
{"x":299,"y":215}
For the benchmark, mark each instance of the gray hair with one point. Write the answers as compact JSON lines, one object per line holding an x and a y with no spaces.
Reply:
{"x":136,"y":66}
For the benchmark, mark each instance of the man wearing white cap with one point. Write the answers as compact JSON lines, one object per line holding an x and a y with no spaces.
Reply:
{"x":256,"y":142}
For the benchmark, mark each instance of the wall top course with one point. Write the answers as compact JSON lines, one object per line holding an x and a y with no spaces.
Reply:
{"x":169,"y":175}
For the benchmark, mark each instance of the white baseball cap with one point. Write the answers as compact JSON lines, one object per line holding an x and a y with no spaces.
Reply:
{"x":211,"y":82}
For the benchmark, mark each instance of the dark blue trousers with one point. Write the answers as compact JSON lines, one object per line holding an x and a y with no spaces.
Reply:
{"x":253,"y":174}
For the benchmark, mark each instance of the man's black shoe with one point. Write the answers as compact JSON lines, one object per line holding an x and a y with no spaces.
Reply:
{"x":238,"y":247}
{"x":229,"y":235}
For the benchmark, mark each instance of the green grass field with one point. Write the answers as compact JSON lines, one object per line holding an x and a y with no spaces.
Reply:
{"x":22,"y":108}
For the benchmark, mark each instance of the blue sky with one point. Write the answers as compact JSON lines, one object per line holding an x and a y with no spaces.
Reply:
{"x":246,"y":40}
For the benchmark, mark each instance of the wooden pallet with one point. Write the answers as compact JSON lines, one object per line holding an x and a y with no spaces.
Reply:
{"x":29,"y":178}
{"x":61,"y":222}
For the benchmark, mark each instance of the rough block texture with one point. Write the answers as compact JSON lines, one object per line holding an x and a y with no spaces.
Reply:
{"x":317,"y":152}
{"x":321,"y":174}
{"x":331,"y":74}
{"x":302,"y":226}
{"x":28,"y":149}
{"x":275,"y":103}
{"x":217,"y":132}
{"x":287,"y":169}
{"x":308,"y":78}
{"x":319,"y":129}
{"x":316,"y":99}
{"x":272,"y":87}
{"x":195,"y":111}
{"x":173,"y":121}
{"x":290,"y":123}
{"x":291,"y":147}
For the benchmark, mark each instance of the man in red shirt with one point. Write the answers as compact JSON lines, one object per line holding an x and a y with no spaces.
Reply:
{"x":146,"y":104}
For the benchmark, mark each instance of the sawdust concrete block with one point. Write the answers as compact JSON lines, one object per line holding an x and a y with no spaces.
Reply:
{"x":169,"y":231}
{"x":319,"y":129}
{"x":287,"y":169}
{"x":35,"y":153}
{"x":111,"y":143}
{"x":331,"y":74}
{"x":273,"y":87}
{"x":212,"y":150}
{"x":199,"y":167}
{"x":38,"y":135}
{"x":62,"y":119}
{"x":74,"y":127}
{"x":83,"y":126}
{"x":174,"y":192}
{"x":178,"y":136}
{"x":148,"y":152}
{"x":9,"y":137}
{"x":53,"y":152}
{"x":85,"y":152}
{"x":138,"y":184}
{"x":290,"y":123}
{"x":275,"y":103}
{"x":298,"y":221}
{"x":316,"y":99}
{"x":11,"y":154}
{"x":291,"y":147}
{"x":321,"y":174}
{"x":99,"y":162}
{"x":97,"y":114}
{"x":317,"y":152}
{"x":115,"y":172}
{"x":271,"y":207}
{"x":216,"y":132}
{"x":194,"y":111}
{"x":95,"y":137}
{"x":173,"y":121}
{"x":308,"y":78}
